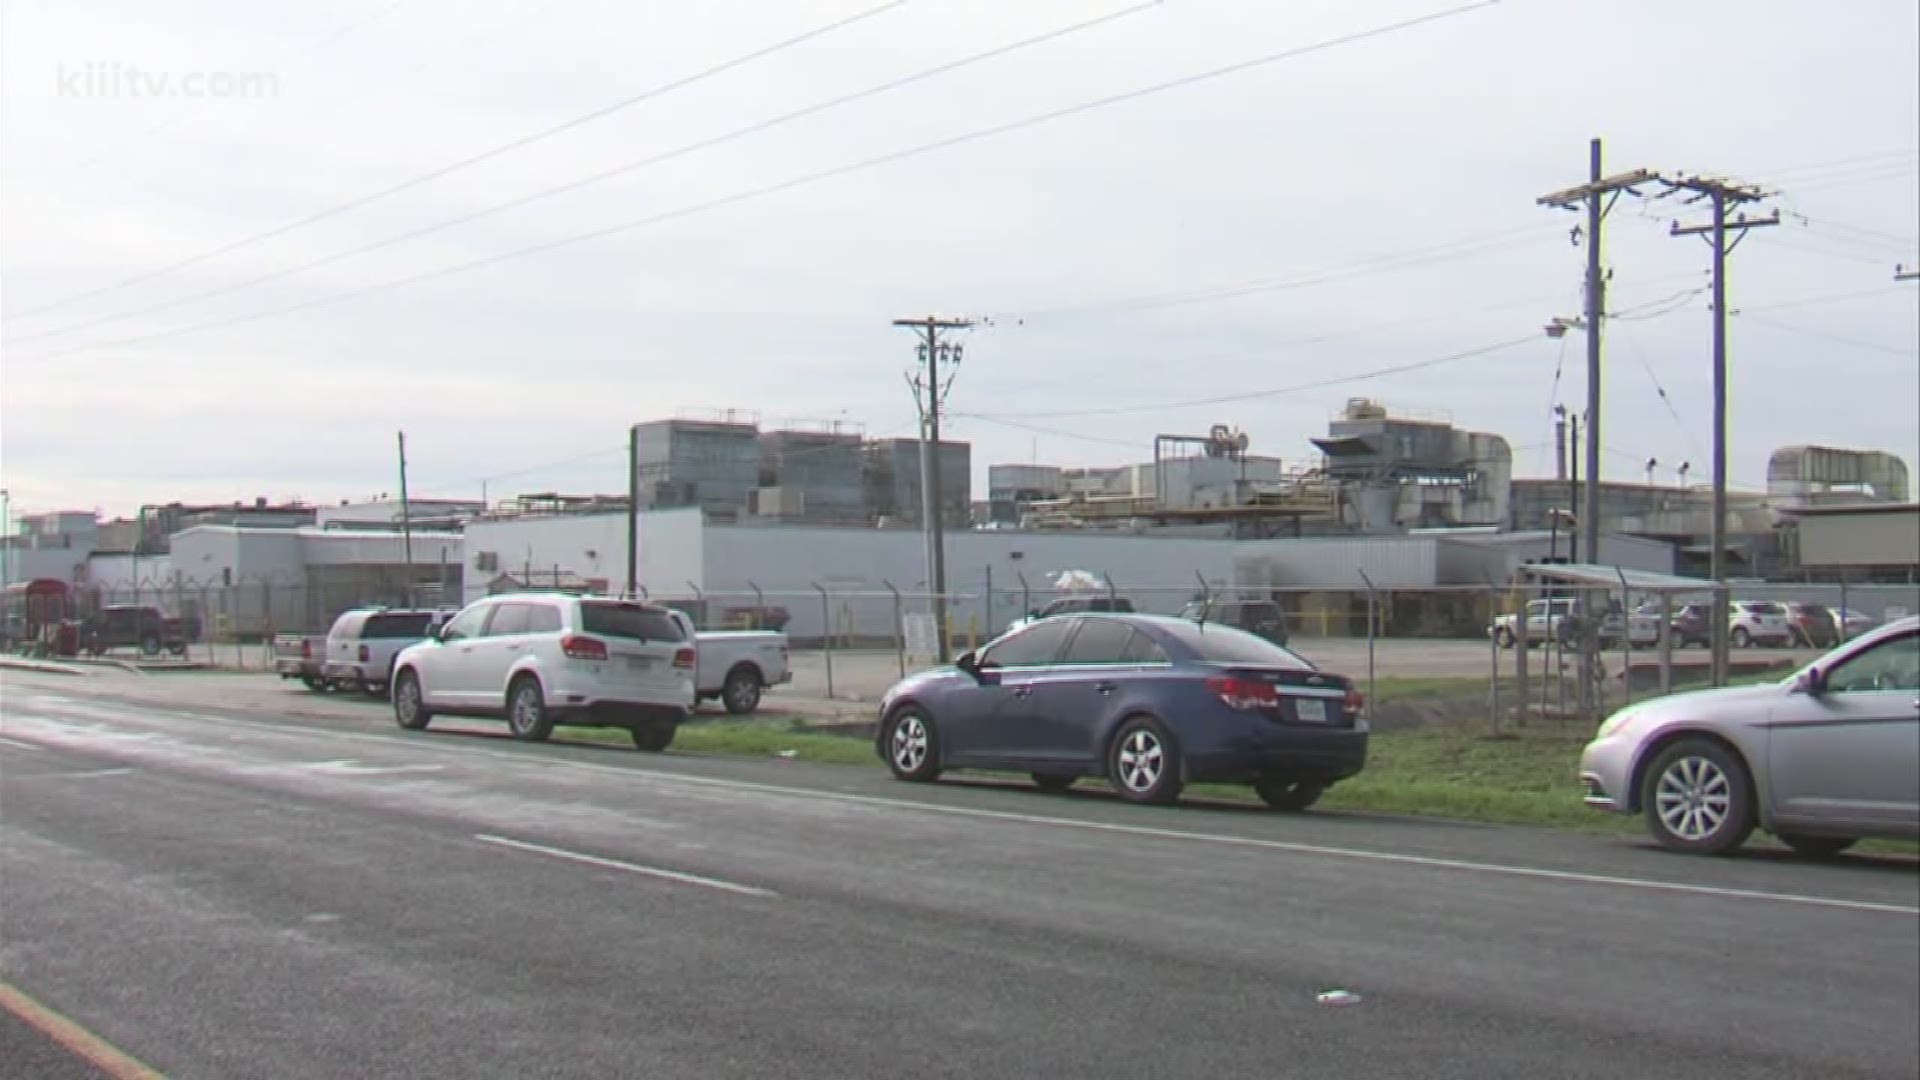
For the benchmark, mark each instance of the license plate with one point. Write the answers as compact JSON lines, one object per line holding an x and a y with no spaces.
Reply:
{"x":1310,"y":710}
{"x":639,"y":663}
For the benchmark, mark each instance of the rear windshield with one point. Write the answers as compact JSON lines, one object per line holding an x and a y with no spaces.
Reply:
{"x":1221,"y":644}
{"x":397,"y":625}
{"x":614,"y":619}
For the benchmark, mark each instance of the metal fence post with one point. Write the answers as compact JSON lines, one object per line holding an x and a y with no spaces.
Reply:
{"x":826,"y":628}
{"x":1206,"y":595}
{"x":1026,"y":593}
{"x":899,"y":627}
{"x":1523,"y":660}
{"x":1373,"y":608}
{"x":1113,"y":594}
{"x":987,"y":614}
{"x":1666,"y":643}
{"x":704,"y":622}
{"x":1626,"y":638}
{"x":1493,"y":646}
{"x":760,"y":608}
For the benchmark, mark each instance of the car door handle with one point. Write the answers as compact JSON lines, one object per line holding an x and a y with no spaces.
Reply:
{"x":1023,"y":691}
{"x":1105,"y":687}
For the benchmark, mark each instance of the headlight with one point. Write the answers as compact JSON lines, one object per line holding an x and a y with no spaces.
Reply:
{"x":1614,"y":723}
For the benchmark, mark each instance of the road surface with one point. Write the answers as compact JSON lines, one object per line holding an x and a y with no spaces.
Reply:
{"x":240,"y":891}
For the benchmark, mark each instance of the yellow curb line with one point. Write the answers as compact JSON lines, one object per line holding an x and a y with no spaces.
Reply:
{"x":102,"y":1054}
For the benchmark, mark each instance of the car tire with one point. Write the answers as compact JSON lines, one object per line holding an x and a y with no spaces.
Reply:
{"x":653,"y":736}
{"x":316,"y":684}
{"x":178,"y":648}
{"x":740,"y":693}
{"x":527,"y":715}
{"x":409,"y":704}
{"x":1741,"y":639}
{"x":1143,"y":763}
{"x":1504,"y":638}
{"x":1293,"y":796}
{"x":149,"y":645}
{"x":1698,"y":798}
{"x":1817,"y":847}
{"x":1053,"y":783}
{"x":912,"y":745}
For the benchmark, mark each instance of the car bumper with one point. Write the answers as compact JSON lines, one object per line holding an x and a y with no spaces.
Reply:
{"x":586,"y":696}
{"x":346,"y":671}
{"x":1606,"y":774}
{"x":294,"y":669}
{"x":1324,"y":754}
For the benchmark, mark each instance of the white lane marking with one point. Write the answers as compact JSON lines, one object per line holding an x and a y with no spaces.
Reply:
{"x":18,"y":745}
{"x":84,"y":775}
{"x":350,"y":767}
{"x":1327,"y":851}
{"x":631,"y":868}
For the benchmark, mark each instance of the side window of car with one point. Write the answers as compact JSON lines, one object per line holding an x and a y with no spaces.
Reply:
{"x":1890,"y":665}
{"x":508,"y":619}
{"x":542,"y":619}
{"x":1141,"y":649}
{"x":1099,"y":641}
{"x":1037,"y":644}
{"x":467,"y":624}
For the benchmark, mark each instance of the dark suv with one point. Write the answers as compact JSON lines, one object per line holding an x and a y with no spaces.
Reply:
{"x":123,"y":626}
{"x":1262,"y":618}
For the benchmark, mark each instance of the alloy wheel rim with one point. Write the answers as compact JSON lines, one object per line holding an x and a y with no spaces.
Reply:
{"x":409,"y":698}
{"x":909,"y":743}
{"x":525,"y":712}
{"x":1141,"y":759}
{"x":1694,"y":798}
{"x":740,"y":693}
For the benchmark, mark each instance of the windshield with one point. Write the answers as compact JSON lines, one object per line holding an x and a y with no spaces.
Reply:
{"x":614,"y":619}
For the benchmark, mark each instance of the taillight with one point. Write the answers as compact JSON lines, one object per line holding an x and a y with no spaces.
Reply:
{"x":1356,"y":701}
{"x":583,"y":648}
{"x":364,"y":654}
{"x":1239,"y":693}
{"x":684,"y":658}
{"x":306,"y":650}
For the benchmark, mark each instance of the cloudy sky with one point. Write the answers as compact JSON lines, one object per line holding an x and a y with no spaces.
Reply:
{"x":223,"y":271}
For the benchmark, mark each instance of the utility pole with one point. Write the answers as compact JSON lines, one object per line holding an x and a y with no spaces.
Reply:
{"x":1573,"y":491}
{"x":406,"y":519}
{"x":1596,"y":196}
{"x":933,"y":351}
{"x":6,"y":538}
{"x":1719,"y":194}
{"x":633,"y":512}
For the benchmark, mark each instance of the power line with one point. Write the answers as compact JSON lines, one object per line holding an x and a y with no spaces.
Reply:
{"x":1397,"y":369}
{"x":791,"y":183}
{"x":1837,"y":338}
{"x":1830,"y":298}
{"x":599,"y":177}
{"x":475,"y":159}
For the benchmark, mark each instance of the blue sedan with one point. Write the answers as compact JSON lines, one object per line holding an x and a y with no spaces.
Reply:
{"x":1148,"y":702}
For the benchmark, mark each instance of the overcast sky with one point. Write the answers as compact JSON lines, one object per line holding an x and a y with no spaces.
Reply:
{"x":1352,"y":208}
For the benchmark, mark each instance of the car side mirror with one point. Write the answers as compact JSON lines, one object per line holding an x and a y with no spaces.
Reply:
{"x":1813,"y":681}
{"x":1034,"y":613}
{"x":968,"y":662}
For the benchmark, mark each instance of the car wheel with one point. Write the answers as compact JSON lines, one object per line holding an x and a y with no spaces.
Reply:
{"x":316,"y":684}
{"x":150,"y":645}
{"x":1817,"y":847}
{"x":741,"y":692}
{"x":178,"y":648}
{"x":654,"y":735}
{"x":1503,"y":637}
{"x":527,"y":710}
{"x":1741,"y":639}
{"x":1698,"y":798}
{"x":409,"y":705}
{"x":1292,"y":795}
{"x":1053,"y":783}
{"x":913,"y":749}
{"x":1143,"y":763}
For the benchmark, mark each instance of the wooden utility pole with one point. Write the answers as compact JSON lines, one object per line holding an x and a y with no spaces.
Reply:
{"x":406,"y":520}
{"x":1720,"y":194}
{"x":1596,"y":196}
{"x":633,"y":512}
{"x":930,"y":392}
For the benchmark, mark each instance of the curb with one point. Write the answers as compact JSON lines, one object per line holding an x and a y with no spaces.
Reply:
{"x":42,"y":666}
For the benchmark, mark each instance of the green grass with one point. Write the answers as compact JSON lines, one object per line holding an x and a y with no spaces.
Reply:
{"x":1524,"y":777}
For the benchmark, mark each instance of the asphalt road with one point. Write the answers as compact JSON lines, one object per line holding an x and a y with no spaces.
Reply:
{"x":235,"y":890}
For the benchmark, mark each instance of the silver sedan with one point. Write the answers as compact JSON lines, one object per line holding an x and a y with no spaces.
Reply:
{"x":1820,"y":760}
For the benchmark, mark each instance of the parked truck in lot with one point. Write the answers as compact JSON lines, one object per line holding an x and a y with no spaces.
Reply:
{"x":734,"y":667}
{"x":303,"y":657}
{"x":129,"y":626}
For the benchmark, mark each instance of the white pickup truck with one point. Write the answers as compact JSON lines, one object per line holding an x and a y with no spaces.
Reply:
{"x":733,"y":667}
